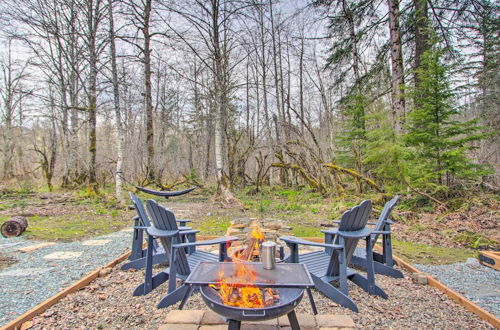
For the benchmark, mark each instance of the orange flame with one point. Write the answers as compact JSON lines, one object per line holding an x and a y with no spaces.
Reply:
{"x":256,"y":232}
{"x":234,"y":294}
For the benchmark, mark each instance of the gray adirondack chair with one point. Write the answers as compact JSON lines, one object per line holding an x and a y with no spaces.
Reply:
{"x":330,"y":264}
{"x":141,"y":222}
{"x":383,"y":263}
{"x":183,"y":257}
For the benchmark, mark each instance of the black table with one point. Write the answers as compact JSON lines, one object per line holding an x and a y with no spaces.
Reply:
{"x":285,"y":275}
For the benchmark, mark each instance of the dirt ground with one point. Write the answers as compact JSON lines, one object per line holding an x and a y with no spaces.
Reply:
{"x":108,"y":303}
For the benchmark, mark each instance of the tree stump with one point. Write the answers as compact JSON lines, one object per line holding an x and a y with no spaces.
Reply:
{"x":15,"y":226}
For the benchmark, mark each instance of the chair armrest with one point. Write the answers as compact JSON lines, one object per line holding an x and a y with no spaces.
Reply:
{"x":336,"y":221}
{"x":141,"y":227}
{"x":330,"y":231}
{"x":161,"y":233}
{"x":183,"y":220}
{"x":183,"y":228}
{"x":371,"y":223}
{"x":355,"y":234}
{"x":214,"y":241}
{"x":188,"y":232}
{"x":389,"y":221}
{"x":135,"y":218}
{"x":381,"y":232}
{"x":295,"y":240}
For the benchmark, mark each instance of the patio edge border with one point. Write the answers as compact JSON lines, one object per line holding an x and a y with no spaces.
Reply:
{"x":431,"y":281}
{"x":453,"y":295}
{"x":44,"y":305}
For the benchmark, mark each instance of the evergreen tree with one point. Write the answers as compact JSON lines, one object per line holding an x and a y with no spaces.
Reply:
{"x":439,"y":139}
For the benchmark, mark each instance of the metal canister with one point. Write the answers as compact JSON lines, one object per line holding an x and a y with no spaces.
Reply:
{"x":269,"y":255}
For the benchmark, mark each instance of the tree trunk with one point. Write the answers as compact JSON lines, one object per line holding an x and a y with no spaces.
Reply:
{"x":148,"y":100}
{"x":116,"y":100}
{"x":398,"y":99}
{"x":421,"y":34}
{"x":92,"y":22}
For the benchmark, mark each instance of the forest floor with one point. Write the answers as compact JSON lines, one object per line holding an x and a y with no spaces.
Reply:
{"x":421,"y":235}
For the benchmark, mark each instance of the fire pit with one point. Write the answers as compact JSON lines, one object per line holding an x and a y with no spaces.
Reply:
{"x":289,"y":298}
{"x":286,"y":284}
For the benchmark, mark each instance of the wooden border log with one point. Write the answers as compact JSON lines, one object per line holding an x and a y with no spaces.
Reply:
{"x":490,"y":259}
{"x":461,"y":300}
{"x":44,"y":305}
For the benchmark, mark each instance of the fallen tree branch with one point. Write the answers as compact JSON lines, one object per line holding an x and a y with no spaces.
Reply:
{"x":354,"y":174}
{"x":315,"y":184}
{"x":424,"y":194}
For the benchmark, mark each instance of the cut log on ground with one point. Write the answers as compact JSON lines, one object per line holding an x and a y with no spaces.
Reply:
{"x":15,"y":226}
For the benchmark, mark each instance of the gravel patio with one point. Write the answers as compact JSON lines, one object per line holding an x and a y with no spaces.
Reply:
{"x":108,"y":303}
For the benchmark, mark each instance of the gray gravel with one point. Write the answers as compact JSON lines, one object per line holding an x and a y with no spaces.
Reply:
{"x":478,"y":283}
{"x":33,"y":279}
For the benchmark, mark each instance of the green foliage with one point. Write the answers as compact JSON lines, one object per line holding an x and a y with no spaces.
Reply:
{"x":385,"y":151}
{"x":351,"y":138}
{"x":214,"y":225}
{"x":306,"y":231}
{"x":439,"y":141}
{"x":428,"y":254}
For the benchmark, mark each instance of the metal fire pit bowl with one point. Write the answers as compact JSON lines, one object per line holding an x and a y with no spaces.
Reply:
{"x":289,"y":298}
{"x":290,"y":279}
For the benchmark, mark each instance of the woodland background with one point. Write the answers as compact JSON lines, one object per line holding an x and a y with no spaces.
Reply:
{"x":343,"y":96}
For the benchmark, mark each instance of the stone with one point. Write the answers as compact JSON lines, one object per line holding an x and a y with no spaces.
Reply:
{"x":24,"y":272}
{"x":259,"y":323}
{"x":63,"y":255}
{"x":334,"y":321}
{"x":184,"y":316}
{"x":178,"y":327}
{"x":96,"y":242}
{"x":35,"y":247}
{"x":273,"y":225}
{"x":420,"y":278}
{"x":232,"y":232}
{"x":214,"y":327}
{"x":105,"y":271}
{"x":305,"y":320}
{"x":258,"y":327}
{"x":211,"y":318}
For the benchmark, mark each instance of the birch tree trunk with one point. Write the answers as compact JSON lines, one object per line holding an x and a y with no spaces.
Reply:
{"x":116,"y":101}
{"x":93,"y":17}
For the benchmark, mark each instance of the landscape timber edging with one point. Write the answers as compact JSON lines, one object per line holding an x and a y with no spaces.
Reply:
{"x":453,"y":295}
{"x":44,"y":305}
{"x":40,"y":308}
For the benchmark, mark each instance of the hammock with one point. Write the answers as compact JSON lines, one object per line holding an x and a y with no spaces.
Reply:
{"x":165,"y":194}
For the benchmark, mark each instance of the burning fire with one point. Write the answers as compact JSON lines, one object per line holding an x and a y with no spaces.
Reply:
{"x":245,"y":296}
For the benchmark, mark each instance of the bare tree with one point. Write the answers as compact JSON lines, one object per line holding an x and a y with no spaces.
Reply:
{"x":12,"y":93}
{"x":116,"y":102}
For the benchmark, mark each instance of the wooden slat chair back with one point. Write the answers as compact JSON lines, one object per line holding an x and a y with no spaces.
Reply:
{"x":354,"y":220}
{"x":182,"y":256}
{"x":164,"y":219}
{"x":326,"y":266}
{"x":383,"y":262}
{"x":384,"y":216}
{"x":141,"y":211}
{"x":138,"y":254}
